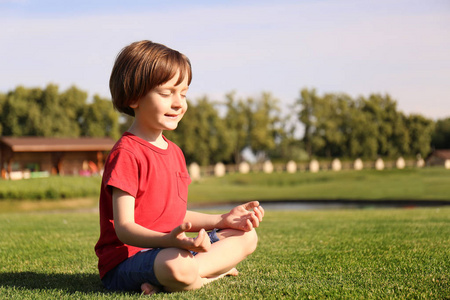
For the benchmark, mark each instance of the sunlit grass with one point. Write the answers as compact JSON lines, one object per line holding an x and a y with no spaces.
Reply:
{"x":348,"y":254}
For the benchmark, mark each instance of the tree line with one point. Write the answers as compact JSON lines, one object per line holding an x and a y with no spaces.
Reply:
{"x":50,"y":113}
{"x":320,"y":126}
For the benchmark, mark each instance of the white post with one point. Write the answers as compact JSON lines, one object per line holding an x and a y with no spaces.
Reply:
{"x":358,"y":164}
{"x":291,"y":167}
{"x":379,"y":164}
{"x":314,"y":166}
{"x":447,"y":164}
{"x":219,"y":170}
{"x":336,"y":165}
{"x":400,"y":163}
{"x":194,"y":171}
{"x":420,"y":163}
{"x":244,"y":167}
{"x":267,"y":167}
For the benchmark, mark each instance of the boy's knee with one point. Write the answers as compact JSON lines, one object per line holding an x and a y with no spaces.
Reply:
{"x":251,"y":241}
{"x":183,"y":271}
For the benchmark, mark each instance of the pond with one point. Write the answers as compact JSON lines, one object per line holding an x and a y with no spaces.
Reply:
{"x":330,"y":204}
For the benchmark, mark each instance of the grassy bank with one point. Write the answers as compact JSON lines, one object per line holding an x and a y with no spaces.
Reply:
{"x":415,"y":184}
{"x":344,"y":254}
{"x":50,"y":188}
{"x":409,"y":184}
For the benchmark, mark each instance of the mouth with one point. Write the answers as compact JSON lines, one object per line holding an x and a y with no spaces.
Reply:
{"x":171,"y":116}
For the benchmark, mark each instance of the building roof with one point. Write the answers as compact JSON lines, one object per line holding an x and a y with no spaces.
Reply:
{"x":43,"y":144}
{"x":443,"y":153}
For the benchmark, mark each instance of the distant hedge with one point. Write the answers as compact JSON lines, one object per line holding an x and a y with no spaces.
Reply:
{"x":52,"y":188}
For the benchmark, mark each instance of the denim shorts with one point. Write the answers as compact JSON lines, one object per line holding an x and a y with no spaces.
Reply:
{"x":130,"y":274}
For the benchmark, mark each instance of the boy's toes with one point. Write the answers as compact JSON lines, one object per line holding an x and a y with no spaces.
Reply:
{"x":148,"y":289}
{"x":233,"y":272}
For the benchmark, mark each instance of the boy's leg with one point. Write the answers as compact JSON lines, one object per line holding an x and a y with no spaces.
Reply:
{"x":179,"y":270}
{"x":233,"y":247}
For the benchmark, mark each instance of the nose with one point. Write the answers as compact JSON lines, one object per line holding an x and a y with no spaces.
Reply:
{"x":177,"y":101}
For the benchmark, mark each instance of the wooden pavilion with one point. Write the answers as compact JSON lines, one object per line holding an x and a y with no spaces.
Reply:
{"x":439,"y":157}
{"x":23,"y":157}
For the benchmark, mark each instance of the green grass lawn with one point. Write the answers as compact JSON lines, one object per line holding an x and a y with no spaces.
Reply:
{"x":351,"y":254}
{"x":407,"y":184}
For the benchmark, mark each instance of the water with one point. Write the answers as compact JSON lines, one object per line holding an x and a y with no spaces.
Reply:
{"x":330,"y":205}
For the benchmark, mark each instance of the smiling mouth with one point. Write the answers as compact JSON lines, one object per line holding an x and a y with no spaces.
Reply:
{"x":171,"y":116}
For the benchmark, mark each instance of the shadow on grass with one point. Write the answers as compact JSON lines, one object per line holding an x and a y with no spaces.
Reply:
{"x":69,"y":283}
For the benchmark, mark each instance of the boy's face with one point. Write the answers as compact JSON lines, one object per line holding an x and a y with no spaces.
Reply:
{"x":162,"y":107}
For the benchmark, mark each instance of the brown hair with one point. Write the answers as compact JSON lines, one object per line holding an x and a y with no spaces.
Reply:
{"x":142,"y":66}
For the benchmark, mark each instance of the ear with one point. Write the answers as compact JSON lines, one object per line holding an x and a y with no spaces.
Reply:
{"x":134,"y":105}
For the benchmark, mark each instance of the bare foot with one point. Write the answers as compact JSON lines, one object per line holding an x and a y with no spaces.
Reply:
{"x":148,"y":289}
{"x":232,"y":272}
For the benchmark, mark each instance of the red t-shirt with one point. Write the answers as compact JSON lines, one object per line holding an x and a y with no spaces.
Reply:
{"x":157,"y":178}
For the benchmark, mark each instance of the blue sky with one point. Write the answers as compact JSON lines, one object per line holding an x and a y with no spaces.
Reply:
{"x":356,"y":47}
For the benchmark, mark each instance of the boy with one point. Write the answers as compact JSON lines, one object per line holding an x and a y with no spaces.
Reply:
{"x":143,"y":200}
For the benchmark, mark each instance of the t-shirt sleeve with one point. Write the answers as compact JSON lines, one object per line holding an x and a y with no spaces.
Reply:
{"x":122,"y":172}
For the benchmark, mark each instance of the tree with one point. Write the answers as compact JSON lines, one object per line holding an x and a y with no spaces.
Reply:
{"x":329,"y":136}
{"x":73,"y":102}
{"x":99,"y":119}
{"x":264,"y":124}
{"x":325,"y":120}
{"x":21,"y":112}
{"x":49,"y":113}
{"x":420,"y":131}
{"x":65,"y":110}
{"x":362,"y":133}
{"x":288,"y":145}
{"x":337,"y":126}
{"x":237,"y":124}
{"x":392,"y":134}
{"x":307,"y":102}
{"x":441,"y":134}
{"x":2,"y":103}
{"x":58,"y":119}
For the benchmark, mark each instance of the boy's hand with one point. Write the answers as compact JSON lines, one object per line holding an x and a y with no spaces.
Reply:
{"x":201,"y":243}
{"x":243,"y":217}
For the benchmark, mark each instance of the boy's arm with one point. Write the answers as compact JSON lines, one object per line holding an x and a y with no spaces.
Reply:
{"x":136,"y":235}
{"x":201,"y":220}
{"x":243,"y":217}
